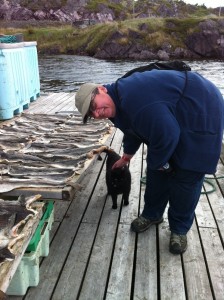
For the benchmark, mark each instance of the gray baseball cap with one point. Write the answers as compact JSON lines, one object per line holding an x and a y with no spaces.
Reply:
{"x":83,"y":98}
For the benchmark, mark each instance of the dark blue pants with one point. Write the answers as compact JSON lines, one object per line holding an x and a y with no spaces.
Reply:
{"x":181,"y":189}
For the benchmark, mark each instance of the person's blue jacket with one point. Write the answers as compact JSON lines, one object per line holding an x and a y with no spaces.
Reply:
{"x":186,"y":129}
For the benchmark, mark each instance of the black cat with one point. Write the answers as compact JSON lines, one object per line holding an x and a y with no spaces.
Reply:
{"x":118,"y":180}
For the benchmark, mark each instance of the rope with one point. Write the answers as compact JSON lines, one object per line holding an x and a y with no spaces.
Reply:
{"x":143,"y":180}
{"x":207,"y":180}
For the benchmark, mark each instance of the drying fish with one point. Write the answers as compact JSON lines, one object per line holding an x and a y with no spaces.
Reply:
{"x":13,"y":214}
{"x":72,"y":135}
{"x":65,"y":154}
{"x":13,"y":183}
{"x":58,"y":148}
{"x":46,"y":176}
{"x":13,"y":139}
{"x":45,"y":150}
{"x":70,"y":149}
{"x":8,"y":237}
{"x":84,"y":130}
{"x":61,"y":144}
{"x":48,"y":126}
{"x":4,"y":169}
{"x":3,"y":296}
{"x":30,"y":170}
{"x":26,"y":131}
{"x":11,"y":146}
{"x":44,"y":117}
{"x":12,"y":156}
{"x":21,"y":207}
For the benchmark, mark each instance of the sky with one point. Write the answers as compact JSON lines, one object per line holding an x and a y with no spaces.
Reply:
{"x":207,"y":3}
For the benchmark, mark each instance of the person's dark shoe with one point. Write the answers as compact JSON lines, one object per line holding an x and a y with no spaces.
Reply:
{"x":141,"y":224}
{"x":178,"y":243}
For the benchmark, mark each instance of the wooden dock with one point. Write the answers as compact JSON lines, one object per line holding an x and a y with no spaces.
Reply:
{"x":94,"y":255}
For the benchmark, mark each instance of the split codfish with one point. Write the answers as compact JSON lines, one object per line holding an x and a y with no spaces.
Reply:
{"x":3,"y":296}
{"x":9,"y":184}
{"x":13,"y":214}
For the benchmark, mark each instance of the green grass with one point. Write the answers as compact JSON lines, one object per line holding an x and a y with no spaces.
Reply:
{"x":63,"y":38}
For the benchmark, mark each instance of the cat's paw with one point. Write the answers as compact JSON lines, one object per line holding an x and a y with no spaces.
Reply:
{"x":126,"y":203}
{"x":114,"y":206}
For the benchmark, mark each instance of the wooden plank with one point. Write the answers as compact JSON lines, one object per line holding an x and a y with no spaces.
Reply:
{"x":197,"y":280}
{"x":74,"y":270}
{"x":70,"y":99}
{"x":217,"y":207}
{"x":203,"y":213}
{"x":120,"y":280}
{"x":55,"y":101}
{"x":171,"y":274}
{"x":95,"y":277}
{"x":119,"y":286}
{"x":146,"y":266}
{"x":39,"y":103}
{"x":222,"y":151}
{"x":146,"y":273}
{"x":66,"y":193}
{"x":69,"y":105}
{"x":214,"y":254}
{"x":94,"y":283}
{"x":60,"y":209}
{"x":8,"y":268}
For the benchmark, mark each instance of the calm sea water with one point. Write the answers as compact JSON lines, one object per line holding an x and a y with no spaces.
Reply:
{"x":66,"y":73}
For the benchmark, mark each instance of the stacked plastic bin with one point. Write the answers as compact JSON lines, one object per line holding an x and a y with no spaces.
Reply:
{"x":19,"y":77}
{"x":32,"y":69}
{"x":28,"y":272}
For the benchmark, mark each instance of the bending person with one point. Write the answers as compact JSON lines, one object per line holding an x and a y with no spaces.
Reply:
{"x":179,"y":116}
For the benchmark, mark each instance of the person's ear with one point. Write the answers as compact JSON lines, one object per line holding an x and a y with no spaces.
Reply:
{"x":102,"y":89}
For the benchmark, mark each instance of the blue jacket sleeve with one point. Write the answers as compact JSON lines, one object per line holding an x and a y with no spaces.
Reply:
{"x":131,"y":143}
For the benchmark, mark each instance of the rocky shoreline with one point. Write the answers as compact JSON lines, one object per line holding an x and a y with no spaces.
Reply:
{"x":207,"y":42}
{"x":202,"y":41}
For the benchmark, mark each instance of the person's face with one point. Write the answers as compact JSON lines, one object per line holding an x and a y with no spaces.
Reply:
{"x":102,"y":106}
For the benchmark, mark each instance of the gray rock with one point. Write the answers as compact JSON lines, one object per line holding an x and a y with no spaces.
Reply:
{"x":163,"y":55}
{"x":208,"y":41}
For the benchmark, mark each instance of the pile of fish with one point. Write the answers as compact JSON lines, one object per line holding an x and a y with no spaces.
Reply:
{"x":13,"y":216}
{"x":38,"y":150}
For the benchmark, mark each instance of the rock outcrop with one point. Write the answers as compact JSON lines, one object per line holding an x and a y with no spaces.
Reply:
{"x":206,"y":41}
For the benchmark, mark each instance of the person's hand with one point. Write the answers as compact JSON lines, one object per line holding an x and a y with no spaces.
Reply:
{"x":123,"y":161}
{"x":120,"y":164}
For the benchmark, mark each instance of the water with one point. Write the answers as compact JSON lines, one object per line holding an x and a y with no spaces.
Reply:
{"x":66,"y":73}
